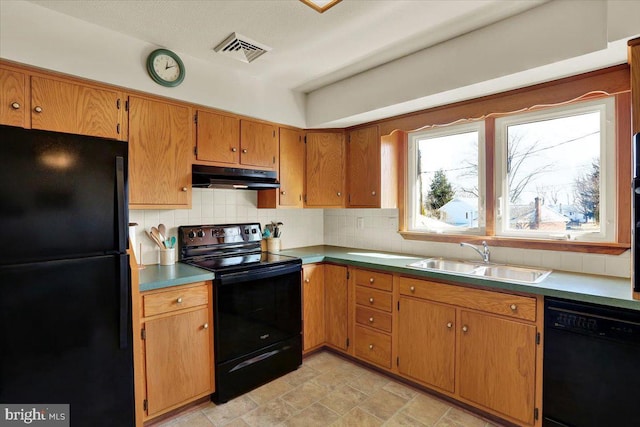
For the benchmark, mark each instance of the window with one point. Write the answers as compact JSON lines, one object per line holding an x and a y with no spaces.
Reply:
{"x":553,"y":169}
{"x":446,"y":176}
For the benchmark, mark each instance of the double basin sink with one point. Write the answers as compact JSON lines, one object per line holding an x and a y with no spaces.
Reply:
{"x":501,"y":272}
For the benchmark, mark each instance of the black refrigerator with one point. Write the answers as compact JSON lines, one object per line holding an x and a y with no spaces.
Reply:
{"x":65,"y":315}
{"x":635,"y":216}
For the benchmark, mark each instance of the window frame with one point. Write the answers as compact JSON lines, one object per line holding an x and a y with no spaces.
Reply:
{"x":412,"y":160}
{"x":608,"y":179}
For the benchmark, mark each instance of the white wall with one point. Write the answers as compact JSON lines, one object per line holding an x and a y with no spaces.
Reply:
{"x":302,"y":227}
{"x":37,"y":36}
{"x":379,"y":233}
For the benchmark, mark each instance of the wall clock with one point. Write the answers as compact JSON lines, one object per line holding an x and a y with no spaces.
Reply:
{"x":165,"y":68}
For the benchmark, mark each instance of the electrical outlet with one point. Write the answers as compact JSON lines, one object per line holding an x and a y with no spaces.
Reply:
{"x":360,"y":223}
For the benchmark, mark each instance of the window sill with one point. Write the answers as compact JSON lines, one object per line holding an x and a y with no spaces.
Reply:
{"x":545,"y":245}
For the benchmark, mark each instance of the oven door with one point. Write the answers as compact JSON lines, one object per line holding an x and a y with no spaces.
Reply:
{"x":255,"y":309}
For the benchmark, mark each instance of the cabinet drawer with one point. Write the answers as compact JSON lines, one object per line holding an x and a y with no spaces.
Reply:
{"x":374,"y":279}
{"x":176,"y":299}
{"x":373,"y":318}
{"x":515,"y":306}
{"x":373,"y":346}
{"x":373,"y":298}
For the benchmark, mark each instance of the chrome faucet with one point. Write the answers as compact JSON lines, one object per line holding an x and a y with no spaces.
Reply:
{"x":484,"y":253}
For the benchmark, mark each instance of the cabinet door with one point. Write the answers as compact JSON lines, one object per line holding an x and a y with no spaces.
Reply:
{"x":427,"y":342}
{"x":363,"y":170}
{"x":258,"y":144}
{"x":13,"y":102}
{"x":179,"y":358}
{"x":67,"y":107}
{"x":218,"y":138}
{"x":336,"y":306}
{"x":325,"y":170}
{"x":159,"y":154}
{"x":291,"y":168}
{"x":313,"y":306}
{"x":497,"y":364}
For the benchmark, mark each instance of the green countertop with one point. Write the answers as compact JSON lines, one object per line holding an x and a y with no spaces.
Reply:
{"x":611,"y":291}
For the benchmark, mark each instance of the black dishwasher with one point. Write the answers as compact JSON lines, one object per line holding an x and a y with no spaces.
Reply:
{"x":591,"y":365}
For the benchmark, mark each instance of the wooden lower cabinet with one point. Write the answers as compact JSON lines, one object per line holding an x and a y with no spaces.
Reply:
{"x":497,"y":364}
{"x":427,"y":342}
{"x":336,"y":306}
{"x":178,"y":346}
{"x":313,"y":306}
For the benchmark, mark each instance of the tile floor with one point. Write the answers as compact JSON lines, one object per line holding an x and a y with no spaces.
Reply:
{"x":329,"y":391}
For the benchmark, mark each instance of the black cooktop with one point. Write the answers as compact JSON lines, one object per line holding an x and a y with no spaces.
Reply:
{"x":240,"y":262}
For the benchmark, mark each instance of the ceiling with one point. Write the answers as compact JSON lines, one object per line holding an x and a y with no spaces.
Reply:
{"x":309,"y":50}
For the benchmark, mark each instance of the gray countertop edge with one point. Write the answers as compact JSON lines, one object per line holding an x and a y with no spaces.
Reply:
{"x":606,"y":290}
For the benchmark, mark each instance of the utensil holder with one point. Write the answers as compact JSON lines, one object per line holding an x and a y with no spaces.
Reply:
{"x":273,"y":244}
{"x":167,"y":256}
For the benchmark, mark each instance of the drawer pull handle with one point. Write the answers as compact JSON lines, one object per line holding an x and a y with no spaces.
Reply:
{"x":370,"y":319}
{"x":283,"y":192}
{"x":205,"y":326}
{"x":514,"y":307}
{"x":449,"y":325}
{"x":412,"y":289}
{"x":370,"y":346}
{"x":307,"y":280}
{"x":371,"y":280}
{"x":15,"y":105}
{"x":38,"y":109}
{"x":371,"y":300}
{"x":465,"y":328}
{"x":184,"y":189}
{"x":339,"y":194}
{"x":179,"y":300}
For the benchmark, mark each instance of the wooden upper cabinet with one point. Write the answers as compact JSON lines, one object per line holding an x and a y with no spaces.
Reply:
{"x":497,"y":364}
{"x":291,"y":168}
{"x":217,"y":137}
{"x":325,"y":169}
{"x":258,"y":144}
{"x":14,"y":106}
{"x":160,"y":148}
{"x":363,"y":166}
{"x":372,"y":165}
{"x":63,"y":106}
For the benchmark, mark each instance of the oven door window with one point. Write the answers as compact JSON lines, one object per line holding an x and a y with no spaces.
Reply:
{"x":255,"y":312}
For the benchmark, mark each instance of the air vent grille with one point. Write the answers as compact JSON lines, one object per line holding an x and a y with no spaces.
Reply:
{"x":241,"y":48}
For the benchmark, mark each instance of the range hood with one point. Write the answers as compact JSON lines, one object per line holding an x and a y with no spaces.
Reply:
{"x":235,"y":178}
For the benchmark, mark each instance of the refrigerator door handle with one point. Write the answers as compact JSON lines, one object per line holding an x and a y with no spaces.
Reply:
{"x":120,"y":205}
{"x":124,"y":301}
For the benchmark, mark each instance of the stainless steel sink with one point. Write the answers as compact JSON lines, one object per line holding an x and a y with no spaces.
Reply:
{"x":501,"y":272}
{"x":442,"y":264}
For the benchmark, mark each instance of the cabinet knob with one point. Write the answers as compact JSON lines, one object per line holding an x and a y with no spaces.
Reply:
{"x":412,"y":289}
{"x":283,"y":192}
{"x":449,"y":325}
{"x":373,"y":193}
{"x":15,"y":105}
{"x":244,"y":150}
{"x":371,"y":300}
{"x":513,"y":307}
{"x":38,"y":109}
{"x":179,"y":300}
{"x":234,"y":149}
{"x":205,"y":326}
{"x":370,"y":346}
{"x":307,"y":280}
{"x":370,"y":319}
{"x":465,"y":328}
{"x":371,"y":280}
{"x":184,"y":189}
{"x":339,"y":194}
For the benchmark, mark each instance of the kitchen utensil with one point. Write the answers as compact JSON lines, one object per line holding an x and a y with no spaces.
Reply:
{"x":159,"y":237}
{"x":154,"y":238}
{"x":173,"y":242}
{"x":162,"y":229}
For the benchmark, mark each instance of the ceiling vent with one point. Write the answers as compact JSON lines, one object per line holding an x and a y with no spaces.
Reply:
{"x":241,"y":48}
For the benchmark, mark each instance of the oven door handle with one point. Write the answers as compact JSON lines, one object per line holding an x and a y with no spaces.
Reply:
{"x":257,"y":274}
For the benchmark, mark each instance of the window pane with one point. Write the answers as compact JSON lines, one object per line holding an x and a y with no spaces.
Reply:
{"x":447,"y":182}
{"x":553,"y":175}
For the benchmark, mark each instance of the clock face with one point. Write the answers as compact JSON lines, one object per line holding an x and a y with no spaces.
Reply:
{"x":165,"y":67}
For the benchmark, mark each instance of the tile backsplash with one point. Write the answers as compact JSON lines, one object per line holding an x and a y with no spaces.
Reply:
{"x":373,"y":229}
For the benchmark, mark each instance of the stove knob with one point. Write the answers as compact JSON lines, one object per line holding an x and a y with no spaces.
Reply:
{"x":200,"y":233}
{"x":192,"y":234}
